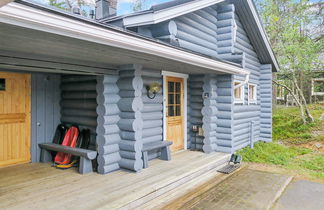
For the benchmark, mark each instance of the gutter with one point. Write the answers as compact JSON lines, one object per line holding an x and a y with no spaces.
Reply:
{"x":28,"y":17}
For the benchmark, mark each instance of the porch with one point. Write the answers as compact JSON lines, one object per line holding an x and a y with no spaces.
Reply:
{"x":39,"y":186}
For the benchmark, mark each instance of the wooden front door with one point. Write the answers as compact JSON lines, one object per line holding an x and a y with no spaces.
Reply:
{"x":175,"y":112}
{"x":15,"y":94}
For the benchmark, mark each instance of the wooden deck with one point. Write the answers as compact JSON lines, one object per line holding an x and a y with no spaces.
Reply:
{"x":40,"y":186}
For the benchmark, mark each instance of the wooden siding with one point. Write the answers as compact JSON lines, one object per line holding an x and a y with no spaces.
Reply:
{"x":45,"y":110}
{"x":78,"y":103}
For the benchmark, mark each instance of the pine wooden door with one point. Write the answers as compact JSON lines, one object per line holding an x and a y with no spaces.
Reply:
{"x":15,"y":93}
{"x":175,"y":112}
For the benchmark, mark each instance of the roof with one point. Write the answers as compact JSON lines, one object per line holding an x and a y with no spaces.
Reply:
{"x":245,"y":9}
{"x":49,"y":19}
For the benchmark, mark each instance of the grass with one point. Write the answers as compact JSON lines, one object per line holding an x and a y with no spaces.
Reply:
{"x":272,"y":153}
{"x":288,"y":127}
{"x":287,"y":151}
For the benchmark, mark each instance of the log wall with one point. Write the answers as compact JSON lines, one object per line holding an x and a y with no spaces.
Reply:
{"x":246,"y":125}
{"x":195,"y":105}
{"x":224,"y":114}
{"x":78,"y":103}
{"x":152,"y":113}
{"x":130,"y":84}
{"x":209,"y":112}
{"x":266,"y":102}
{"x":108,"y":137}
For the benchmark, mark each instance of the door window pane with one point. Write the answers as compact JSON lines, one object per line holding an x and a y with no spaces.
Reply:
{"x":171,"y":99}
{"x":2,"y":84}
{"x":178,"y":110}
{"x":171,"y":111}
{"x":178,"y":101}
{"x":171,"y":86}
{"x":178,"y":87}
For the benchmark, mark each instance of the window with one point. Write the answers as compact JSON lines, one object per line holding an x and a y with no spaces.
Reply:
{"x":2,"y":84}
{"x":174,"y":99}
{"x":318,"y":87}
{"x":238,"y":93}
{"x":252,"y":94}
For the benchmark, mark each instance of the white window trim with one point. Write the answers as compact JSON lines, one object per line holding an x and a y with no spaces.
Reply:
{"x":255,"y":100}
{"x":241,"y":100}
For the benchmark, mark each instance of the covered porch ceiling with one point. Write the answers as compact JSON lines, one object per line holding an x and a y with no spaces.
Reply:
{"x":24,"y":42}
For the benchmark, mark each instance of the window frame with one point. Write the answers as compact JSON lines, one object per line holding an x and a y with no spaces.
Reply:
{"x":236,"y":100}
{"x":255,"y":95}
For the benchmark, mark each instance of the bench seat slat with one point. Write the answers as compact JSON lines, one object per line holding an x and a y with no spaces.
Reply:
{"x":89,"y":154}
{"x":155,"y":145}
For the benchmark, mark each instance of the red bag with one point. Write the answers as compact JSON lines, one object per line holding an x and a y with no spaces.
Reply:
{"x":70,"y":140}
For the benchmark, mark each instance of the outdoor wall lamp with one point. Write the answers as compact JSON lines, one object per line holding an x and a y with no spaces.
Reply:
{"x":153,"y":89}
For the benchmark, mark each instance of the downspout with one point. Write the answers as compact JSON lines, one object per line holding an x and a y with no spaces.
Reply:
{"x":5,"y":2}
{"x":251,"y":134}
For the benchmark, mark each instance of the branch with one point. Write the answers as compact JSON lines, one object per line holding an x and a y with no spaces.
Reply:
{"x":287,"y":88}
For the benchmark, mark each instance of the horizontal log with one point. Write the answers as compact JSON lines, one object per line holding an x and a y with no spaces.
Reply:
{"x":104,"y":169}
{"x":134,"y":165}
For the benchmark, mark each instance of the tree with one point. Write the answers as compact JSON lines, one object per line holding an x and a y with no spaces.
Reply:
{"x":69,"y":4}
{"x":139,"y":5}
{"x":289,"y":25}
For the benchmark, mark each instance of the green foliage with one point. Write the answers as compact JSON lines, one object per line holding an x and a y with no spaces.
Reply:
{"x":288,"y":127}
{"x":289,"y":24}
{"x":312,"y":164}
{"x":271,"y":153}
{"x":139,"y":5}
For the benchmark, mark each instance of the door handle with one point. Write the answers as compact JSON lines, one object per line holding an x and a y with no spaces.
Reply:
{"x":38,"y":124}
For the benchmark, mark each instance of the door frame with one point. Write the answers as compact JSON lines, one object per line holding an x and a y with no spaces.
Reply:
{"x":166,"y":74}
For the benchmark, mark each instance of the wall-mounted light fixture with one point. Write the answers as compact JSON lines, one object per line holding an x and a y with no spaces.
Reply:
{"x":153,"y":89}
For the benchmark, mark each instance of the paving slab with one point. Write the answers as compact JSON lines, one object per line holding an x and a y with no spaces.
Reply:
{"x":302,"y":195}
{"x":247,"y":189}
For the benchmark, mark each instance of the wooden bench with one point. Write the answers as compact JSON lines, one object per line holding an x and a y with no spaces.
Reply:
{"x":163,"y":145}
{"x":85,"y":155}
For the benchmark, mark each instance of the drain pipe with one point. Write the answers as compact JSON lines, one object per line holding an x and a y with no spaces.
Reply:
{"x":251,"y":134}
{"x":5,"y":2}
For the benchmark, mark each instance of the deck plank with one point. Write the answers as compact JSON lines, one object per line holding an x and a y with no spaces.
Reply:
{"x":40,"y":186}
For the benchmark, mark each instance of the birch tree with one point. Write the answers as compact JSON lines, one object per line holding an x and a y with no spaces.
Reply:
{"x":289,"y":25}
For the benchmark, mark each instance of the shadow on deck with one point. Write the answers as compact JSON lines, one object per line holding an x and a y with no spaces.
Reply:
{"x":40,"y":186}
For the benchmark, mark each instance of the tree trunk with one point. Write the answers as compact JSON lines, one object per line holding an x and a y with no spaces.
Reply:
{"x":303,"y":100}
{"x":301,"y":107}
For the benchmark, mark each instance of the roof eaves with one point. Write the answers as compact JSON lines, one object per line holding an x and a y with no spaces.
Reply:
{"x":104,"y":28}
{"x":158,"y":15}
{"x":260,"y":25}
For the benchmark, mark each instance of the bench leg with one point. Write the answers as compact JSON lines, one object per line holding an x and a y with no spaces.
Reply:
{"x":45,"y":156}
{"x":145,"y":159}
{"x":85,"y":165}
{"x":165,"y":153}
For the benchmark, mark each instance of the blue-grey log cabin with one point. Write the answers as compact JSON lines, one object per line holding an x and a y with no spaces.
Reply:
{"x":194,"y":72}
